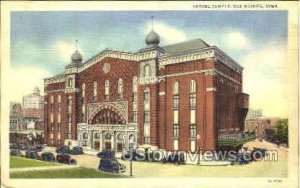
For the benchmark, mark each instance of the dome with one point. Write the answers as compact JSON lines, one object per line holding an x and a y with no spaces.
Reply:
{"x":152,"y":39}
{"x":76,"y":57}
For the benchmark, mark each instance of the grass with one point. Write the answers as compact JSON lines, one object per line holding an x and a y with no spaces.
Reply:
{"x":66,"y":173}
{"x":19,"y":162}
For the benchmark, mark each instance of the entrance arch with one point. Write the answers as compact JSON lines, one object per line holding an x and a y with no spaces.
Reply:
{"x":107,"y":115}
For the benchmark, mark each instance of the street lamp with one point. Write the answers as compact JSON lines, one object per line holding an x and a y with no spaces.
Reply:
{"x":198,"y":143}
{"x":131,"y":150}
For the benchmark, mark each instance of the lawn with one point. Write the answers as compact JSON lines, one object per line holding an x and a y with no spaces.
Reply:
{"x":66,"y":173}
{"x":19,"y":162}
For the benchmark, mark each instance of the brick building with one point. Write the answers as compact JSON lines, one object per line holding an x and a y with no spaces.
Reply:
{"x":175,"y":97}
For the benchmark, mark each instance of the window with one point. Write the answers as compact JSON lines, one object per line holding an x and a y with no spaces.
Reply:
{"x":147,"y":71}
{"x":175,"y":102}
{"x":51,"y":127}
{"x":85,"y":136}
{"x":95,"y":91}
{"x":147,"y":94}
{"x":83,"y":117}
{"x":192,"y":100}
{"x":175,"y":88}
{"x":69,"y":83}
{"x":135,"y":117}
{"x":51,"y":141}
{"x":193,"y":131}
{"x":69,"y":118}
{"x":83,"y":90}
{"x":175,"y":130}
{"x":97,"y":135}
{"x":120,"y":88}
{"x":135,"y":84}
{"x":59,"y":142}
{"x":106,"y":90}
{"x":59,"y":127}
{"x":193,"y":86}
{"x":147,"y":140}
{"x":146,"y":117}
{"x":52,"y":107}
{"x":59,"y":107}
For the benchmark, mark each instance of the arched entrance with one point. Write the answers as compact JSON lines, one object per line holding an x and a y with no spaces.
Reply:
{"x":108,"y":116}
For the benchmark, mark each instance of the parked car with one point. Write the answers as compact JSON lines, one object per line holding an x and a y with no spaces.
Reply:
{"x":39,"y":147}
{"x":106,"y":154}
{"x":66,"y":159}
{"x":76,"y":150}
{"x":111,"y":165}
{"x":23,"y":147}
{"x":48,"y":156}
{"x":62,"y":149}
{"x":15,"y":152}
{"x":176,"y":158}
{"x":13,"y":146}
{"x":32,"y":154}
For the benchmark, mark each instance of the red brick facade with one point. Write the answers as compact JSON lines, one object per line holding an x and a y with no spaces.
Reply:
{"x":220,"y":104}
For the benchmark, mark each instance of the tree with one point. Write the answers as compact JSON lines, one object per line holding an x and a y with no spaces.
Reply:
{"x":282,"y":131}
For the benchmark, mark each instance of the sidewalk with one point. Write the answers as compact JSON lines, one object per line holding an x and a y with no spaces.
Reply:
{"x":43,"y":168}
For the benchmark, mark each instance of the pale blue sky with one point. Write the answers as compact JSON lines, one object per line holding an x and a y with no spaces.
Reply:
{"x":45,"y":40}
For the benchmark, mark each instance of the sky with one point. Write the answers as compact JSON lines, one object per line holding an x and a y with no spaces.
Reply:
{"x":42,"y":43}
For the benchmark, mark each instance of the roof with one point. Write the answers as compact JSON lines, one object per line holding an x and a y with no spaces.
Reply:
{"x":185,"y":46}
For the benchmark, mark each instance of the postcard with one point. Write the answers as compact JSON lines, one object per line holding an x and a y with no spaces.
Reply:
{"x":149,"y":94}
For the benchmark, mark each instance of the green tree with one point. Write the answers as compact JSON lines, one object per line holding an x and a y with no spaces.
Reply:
{"x":282,"y":131}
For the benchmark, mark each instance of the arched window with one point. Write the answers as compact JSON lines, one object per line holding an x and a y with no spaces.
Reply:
{"x":97,"y":135}
{"x":69,"y":82}
{"x":106,"y":90}
{"x":85,"y":135}
{"x":120,"y":88}
{"x":95,"y":91}
{"x":147,"y":70}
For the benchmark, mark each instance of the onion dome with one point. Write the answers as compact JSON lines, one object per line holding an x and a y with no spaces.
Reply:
{"x":152,"y":39}
{"x":76,"y":57}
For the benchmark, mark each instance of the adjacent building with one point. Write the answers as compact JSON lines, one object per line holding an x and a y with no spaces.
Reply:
{"x":262,"y":126}
{"x":27,"y":120}
{"x":175,"y":97}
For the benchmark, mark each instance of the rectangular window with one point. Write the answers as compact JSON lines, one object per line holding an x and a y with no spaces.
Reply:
{"x":83,"y":117}
{"x":59,"y":142}
{"x":175,"y":117}
{"x":192,"y":116}
{"x":175,"y":144}
{"x":146,"y":117}
{"x":106,"y":97}
{"x":69,"y":118}
{"x":51,"y":141}
{"x":51,"y":127}
{"x":59,"y":107}
{"x":146,"y":96}
{"x":134,"y":116}
{"x":59,"y":127}
{"x":147,"y":140}
{"x":193,"y":131}
{"x":175,"y":102}
{"x":94,"y":98}
{"x":193,"y":101}
{"x":175,"y":130}
{"x":52,"y":107}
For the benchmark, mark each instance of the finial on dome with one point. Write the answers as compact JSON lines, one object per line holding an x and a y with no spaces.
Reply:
{"x":76,"y":56}
{"x":152,"y":39}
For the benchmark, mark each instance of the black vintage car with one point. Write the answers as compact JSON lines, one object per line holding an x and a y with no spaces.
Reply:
{"x":39,"y":147}
{"x":111,"y":165}
{"x":176,"y":158}
{"x":48,"y":156}
{"x":108,"y":162}
{"x":15,"y":152}
{"x":258,"y":154}
{"x":32,"y":154}
{"x":62,"y":149}
{"x":66,"y":159}
{"x":76,"y":150}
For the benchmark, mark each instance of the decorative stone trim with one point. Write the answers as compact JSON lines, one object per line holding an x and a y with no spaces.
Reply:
{"x":54,"y":80}
{"x":162,"y":93}
{"x":53,"y":91}
{"x":211,"y":89}
{"x":148,"y":80}
{"x":71,"y":90}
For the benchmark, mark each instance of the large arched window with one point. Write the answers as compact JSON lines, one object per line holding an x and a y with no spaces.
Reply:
{"x":106,"y":90}
{"x":147,"y":70}
{"x":120,"y":88}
